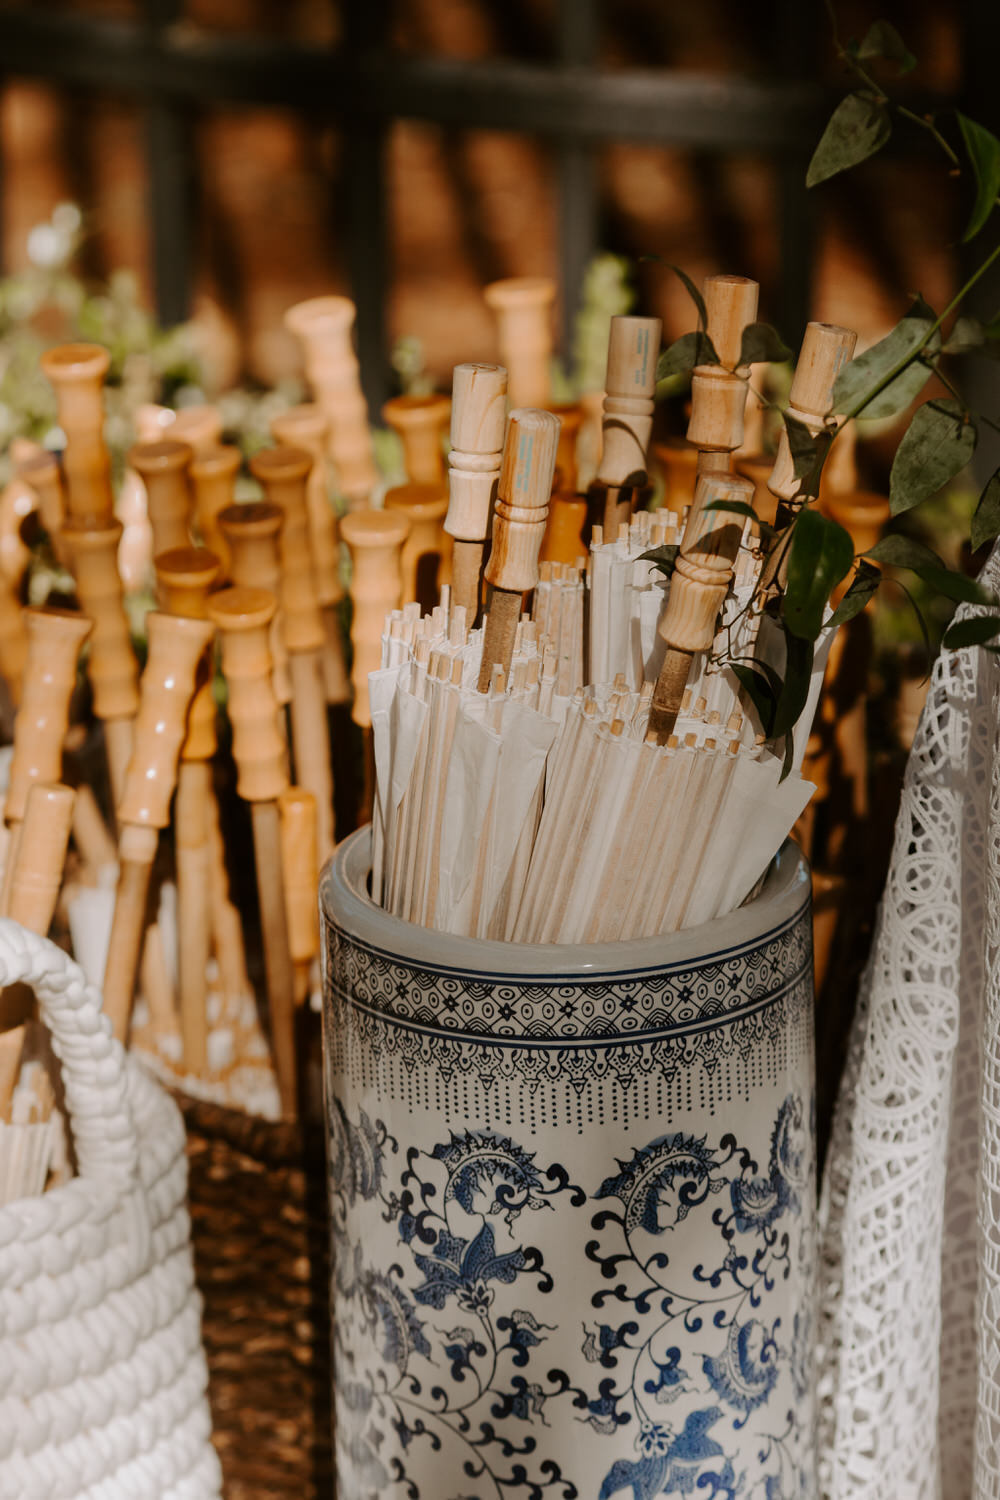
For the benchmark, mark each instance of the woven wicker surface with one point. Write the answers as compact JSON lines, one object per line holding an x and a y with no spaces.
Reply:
{"x":259,"y":1228}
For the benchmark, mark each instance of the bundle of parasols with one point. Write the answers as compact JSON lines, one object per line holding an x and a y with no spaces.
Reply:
{"x":560,"y":741}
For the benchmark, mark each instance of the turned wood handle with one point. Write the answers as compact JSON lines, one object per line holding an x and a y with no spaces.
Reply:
{"x":300,"y":869}
{"x":323,"y":327}
{"x":826,"y":348}
{"x":41,"y":472}
{"x":478,"y":416}
{"x":198,"y":426}
{"x":633,"y":351}
{"x":41,"y":856}
{"x":523,"y":309}
{"x":243,"y":617}
{"x":718,"y":404}
{"x":730,"y":304}
{"x":111,"y":664}
{"x":283,"y":472}
{"x":305,"y":427}
{"x":251,"y":533}
{"x":184,"y":577}
{"x":177,"y":646}
{"x":375,"y":539}
{"x":163,"y":467}
{"x":55,"y":638}
{"x":523,"y":490}
{"x":704,"y":567}
{"x":213,"y":480}
{"x":76,"y":373}
{"x":570,"y":414}
{"x":420,"y":422}
{"x":425,"y":507}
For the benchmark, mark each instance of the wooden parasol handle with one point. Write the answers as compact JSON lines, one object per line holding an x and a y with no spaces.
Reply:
{"x":76,"y":373}
{"x":478,"y":415}
{"x":522,"y":306}
{"x":375,"y":539}
{"x":419,"y":421}
{"x":826,"y":348}
{"x":323,"y":327}
{"x":300,"y":864}
{"x":55,"y":639}
{"x":425,"y":507}
{"x":213,"y":480}
{"x":251,"y":534}
{"x":633,"y":351}
{"x":163,"y":467}
{"x":41,"y":856}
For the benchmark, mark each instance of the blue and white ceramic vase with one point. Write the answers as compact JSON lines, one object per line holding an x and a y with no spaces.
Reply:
{"x":572,"y":1201}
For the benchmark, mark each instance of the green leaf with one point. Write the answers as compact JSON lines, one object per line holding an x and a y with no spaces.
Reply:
{"x":858,"y":127}
{"x":821,"y":555}
{"x":967,"y":333}
{"x":864,"y":586}
{"x":761,"y":694}
{"x":761,"y":344}
{"x":917,"y":611}
{"x":984,"y":154}
{"x":738,"y":508}
{"x":986,"y":520}
{"x":689,"y":350}
{"x":803,"y":447}
{"x":900,"y":551}
{"x":936,"y":446}
{"x":795,"y":688}
{"x":662,"y":557}
{"x":956,"y":586}
{"x":694,"y":294}
{"x":883,"y":40}
{"x":860,"y":377}
{"x":972,"y":632}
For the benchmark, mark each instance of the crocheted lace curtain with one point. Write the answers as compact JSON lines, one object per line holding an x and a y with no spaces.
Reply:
{"x":910,"y":1214}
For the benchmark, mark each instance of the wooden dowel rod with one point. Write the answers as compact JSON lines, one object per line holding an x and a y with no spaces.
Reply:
{"x":194,"y":914}
{"x":277,"y":957}
{"x":300,"y":868}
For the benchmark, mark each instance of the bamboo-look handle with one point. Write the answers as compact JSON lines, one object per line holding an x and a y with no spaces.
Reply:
{"x":284,"y":472}
{"x":425,"y":507}
{"x":719,"y":392}
{"x":13,"y":641}
{"x":523,"y":490}
{"x":111,"y":666}
{"x":176,"y":649}
{"x":826,"y":348}
{"x":184,"y":577}
{"x":523,"y":310}
{"x":702,"y":574}
{"x":570,"y":414}
{"x":213,"y":480}
{"x":730,"y":304}
{"x":478,"y":417}
{"x":300,"y":868}
{"x":251,"y":533}
{"x":163,"y":468}
{"x":305,"y":427}
{"x":323,"y":327}
{"x":17,"y":501}
{"x":199,"y":426}
{"x":243,"y":617}
{"x":419,"y":422}
{"x":375,"y":539}
{"x":76,"y":373}
{"x":55,"y":639}
{"x":192,"y":807}
{"x":633,"y":350}
{"x":41,"y":856}
{"x":41,"y":471}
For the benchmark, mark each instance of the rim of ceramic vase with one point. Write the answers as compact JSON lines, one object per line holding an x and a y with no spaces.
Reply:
{"x":346,"y":904}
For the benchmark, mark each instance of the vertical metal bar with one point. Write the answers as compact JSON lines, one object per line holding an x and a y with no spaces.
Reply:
{"x":365,"y":142}
{"x":576,"y":44}
{"x":796,"y":216}
{"x":980,"y":378}
{"x":169,"y":158}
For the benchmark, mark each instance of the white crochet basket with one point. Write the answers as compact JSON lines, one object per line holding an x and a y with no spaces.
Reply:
{"x":102,"y":1373}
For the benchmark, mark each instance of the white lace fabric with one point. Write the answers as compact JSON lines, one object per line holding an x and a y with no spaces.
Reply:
{"x":910,"y":1212}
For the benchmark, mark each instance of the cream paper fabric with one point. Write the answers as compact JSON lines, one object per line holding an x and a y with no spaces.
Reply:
{"x":910,"y":1213}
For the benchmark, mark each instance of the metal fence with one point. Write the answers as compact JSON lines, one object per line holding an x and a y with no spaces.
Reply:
{"x":362,"y":86}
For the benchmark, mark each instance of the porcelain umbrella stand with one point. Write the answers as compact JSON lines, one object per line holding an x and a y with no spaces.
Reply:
{"x":572,"y":1201}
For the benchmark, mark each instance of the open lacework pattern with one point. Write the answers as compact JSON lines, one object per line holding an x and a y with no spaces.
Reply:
{"x":910,"y":1213}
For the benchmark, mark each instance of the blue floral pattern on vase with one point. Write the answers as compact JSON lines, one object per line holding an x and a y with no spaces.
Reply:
{"x":455,"y":1361}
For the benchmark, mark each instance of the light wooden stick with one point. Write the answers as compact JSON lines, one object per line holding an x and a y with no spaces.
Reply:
{"x":111,"y":663}
{"x":251,"y":533}
{"x":419,"y":421}
{"x":730,"y":304}
{"x":323,"y":327}
{"x":522,"y":306}
{"x":523,"y":490}
{"x":826,"y":348}
{"x":76,"y":373}
{"x":283,"y":472}
{"x":426,"y":558}
{"x":213,"y":479}
{"x":477,"y":428}
{"x":11,"y":1047}
{"x":633,"y":350}
{"x":243,"y":618}
{"x":375,"y":539}
{"x":699,"y":584}
{"x":41,"y":856}
{"x":176,"y":648}
{"x":300,"y":866}
{"x":305,"y":427}
{"x":55,"y":638}
{"x":41,"y":471}
{"x":185,"y":576}
{"x":163,"y":467}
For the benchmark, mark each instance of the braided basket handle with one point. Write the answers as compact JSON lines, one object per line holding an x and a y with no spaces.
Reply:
{"x":93,"y":1063}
